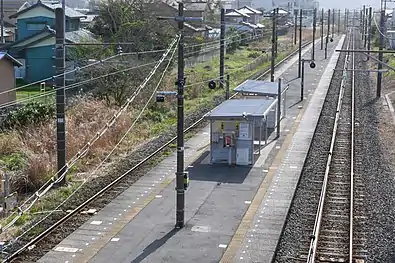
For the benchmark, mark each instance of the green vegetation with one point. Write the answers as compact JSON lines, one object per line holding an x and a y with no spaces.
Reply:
{"x":31,"y":113}
{"x":28,"y":149}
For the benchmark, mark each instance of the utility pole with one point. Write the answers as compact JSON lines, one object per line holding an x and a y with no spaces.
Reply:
{"x":227,"y":94}
{"x":60,"y":94}
{"x":333,"y":22}
{"x":314,"y":28}
{"x":181,"y":175}
{"x":322,"y":29}
{"x":222,"y":50}
{"x":338,"y":22}
{"x":274,"y":32}
{"x":276,"y":35}
{"x":180,"y":124}
{"x":363,"y":22}
{"x":327,"y":35}
{"x":296,"y":28}
{"x":345,"y":20}
{"x":381,"y":46}
{"x":369,"y":31}
{"x":300,"y":43}
{"x":2,"y":21}
{"x":366,"y":28}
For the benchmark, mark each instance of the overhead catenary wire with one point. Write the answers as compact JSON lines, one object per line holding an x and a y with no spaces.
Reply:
{"x":104,"y":60}
{"x":85,"y":149}
{"x":75,"y":85}
{"x":37,"y":238}
{"x":103,"y":161}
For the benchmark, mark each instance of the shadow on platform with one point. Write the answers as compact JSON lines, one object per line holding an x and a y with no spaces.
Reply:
{"x":151,"y":248}
{"x":202,"y":170}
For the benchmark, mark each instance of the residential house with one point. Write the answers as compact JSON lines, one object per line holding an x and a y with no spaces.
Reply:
{"x":10,"y":7}
{"x":244,"y":19}
{"x":35,"y":42}
{"x":7,"y":77}
{"x":196,"y":9}
{"x":9,"y":32}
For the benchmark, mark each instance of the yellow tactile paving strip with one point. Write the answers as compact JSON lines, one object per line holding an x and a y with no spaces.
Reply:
{"x":245,"y":224}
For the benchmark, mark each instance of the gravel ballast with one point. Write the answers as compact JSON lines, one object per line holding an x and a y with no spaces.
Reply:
{"x":374,"y":152}
{"x":294,"y":243}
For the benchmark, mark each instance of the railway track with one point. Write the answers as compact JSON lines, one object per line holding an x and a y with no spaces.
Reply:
{"x":333,"y":237}
{"x":115,"y":187}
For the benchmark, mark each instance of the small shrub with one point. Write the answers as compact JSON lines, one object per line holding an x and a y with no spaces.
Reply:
{"x":10,"y":143}
{"x":32,"y":176}
{"x":31,"y":113}
{"x":254,"y":54}
{"x":14,"y":162}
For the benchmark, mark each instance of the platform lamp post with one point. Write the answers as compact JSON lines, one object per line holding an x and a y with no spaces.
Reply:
{"x":312,"y":65}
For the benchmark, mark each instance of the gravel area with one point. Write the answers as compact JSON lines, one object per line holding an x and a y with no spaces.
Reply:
{"x":374,"y":164}
{"x":294,"y":243}
{"x":376,"y":133}
{"x":94,"y":186}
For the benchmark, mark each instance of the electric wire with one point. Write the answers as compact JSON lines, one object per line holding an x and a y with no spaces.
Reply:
{"x":75,"y":85}
{"x":85,"y":149}
{"x":103,"y":161}
{"x":78,"y":155}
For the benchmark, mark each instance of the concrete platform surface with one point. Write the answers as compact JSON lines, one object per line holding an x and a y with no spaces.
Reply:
{"x":222,"y":203}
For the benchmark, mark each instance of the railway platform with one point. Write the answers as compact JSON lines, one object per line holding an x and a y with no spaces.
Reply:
{"x":233,"y":214}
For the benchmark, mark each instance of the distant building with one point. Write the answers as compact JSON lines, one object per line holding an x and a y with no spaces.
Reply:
{"x":35,"y":38}
{"x":244,"y":19}
{"x":7,"y":77}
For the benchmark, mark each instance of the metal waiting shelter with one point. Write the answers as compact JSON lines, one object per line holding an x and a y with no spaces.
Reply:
{"x":232,"y":129}
{"x":259,"y":88}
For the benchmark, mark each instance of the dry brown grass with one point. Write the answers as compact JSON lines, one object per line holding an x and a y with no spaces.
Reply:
{"x":38,"y":143}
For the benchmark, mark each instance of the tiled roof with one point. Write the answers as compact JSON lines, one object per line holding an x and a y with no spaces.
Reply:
{"x":195,"y":6}
{"x":5,"y":55}
{"x":51,"y":5}
{"x":12,"y":5}
{"x":236,"y":13}
{"x":80,"y":36}
{"x":249,"y":10}
{"x":70,"y":12}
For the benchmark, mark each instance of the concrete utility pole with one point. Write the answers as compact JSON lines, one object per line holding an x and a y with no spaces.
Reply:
{"x":369,"y":31}
{"x":327,"y":36}
{"x":322,"y":29}
{"x":345,"y":20}
{"x":181,"y":175}
{"x":300,"y":43}
{"x":381,"y":47}
{"x":222,"y":50}
{"x":2,"y":21}
{"x":363,"y":22}
{"x":296,"y":28}
{"x":60,"y":94}
{"x":333,"y":22}
{"x":338,"y":22}
{"x":314,"y":28}
{"x":365,"y":31}
{"x":274,"y":33}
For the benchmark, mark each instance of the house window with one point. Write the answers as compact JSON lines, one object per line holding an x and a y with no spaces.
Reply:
{"x":31,"y":26}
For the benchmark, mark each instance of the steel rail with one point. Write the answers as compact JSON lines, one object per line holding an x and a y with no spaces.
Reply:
{"x":51,"y":228}
{"x":352,"y":153}
{"x":315,"y":236}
